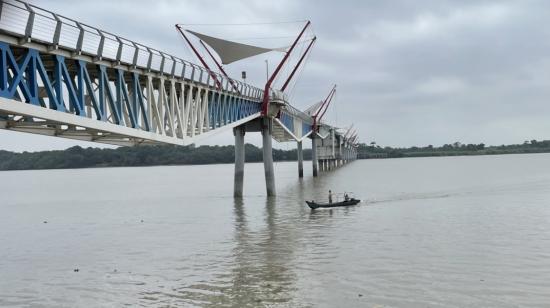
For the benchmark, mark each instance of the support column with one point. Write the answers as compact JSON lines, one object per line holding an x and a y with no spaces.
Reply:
{"x":268,"y":157}
{"x":300,"y":155}
{"x":314,"y":162}
{"x":239,"y":161}
{"x":346,"y":154}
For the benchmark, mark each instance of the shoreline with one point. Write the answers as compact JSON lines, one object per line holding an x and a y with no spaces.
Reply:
{"x":433,"y":155}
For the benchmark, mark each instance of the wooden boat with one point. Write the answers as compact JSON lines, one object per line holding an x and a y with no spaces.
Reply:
{"x":314,"y":205}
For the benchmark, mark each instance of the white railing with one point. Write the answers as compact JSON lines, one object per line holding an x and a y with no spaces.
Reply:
{"x":31,"y":23}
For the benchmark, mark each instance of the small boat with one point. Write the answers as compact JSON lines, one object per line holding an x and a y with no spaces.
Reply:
{"x":313,"y":205}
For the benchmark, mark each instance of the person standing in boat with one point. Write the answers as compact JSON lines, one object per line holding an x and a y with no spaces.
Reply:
{"x":329,"y":196}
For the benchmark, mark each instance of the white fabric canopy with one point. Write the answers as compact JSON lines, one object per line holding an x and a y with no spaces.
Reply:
{"x":230,"y":51}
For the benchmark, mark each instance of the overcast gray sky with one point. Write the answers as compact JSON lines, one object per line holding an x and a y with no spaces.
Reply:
{"x":408,"y":72}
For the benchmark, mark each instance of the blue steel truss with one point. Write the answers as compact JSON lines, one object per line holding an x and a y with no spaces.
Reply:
{"x":111,"y":95}
{"x":23,"y":76}
{"x":287,"y":121}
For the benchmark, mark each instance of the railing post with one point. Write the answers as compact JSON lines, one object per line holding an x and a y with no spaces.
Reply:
{"x":29,"y":26}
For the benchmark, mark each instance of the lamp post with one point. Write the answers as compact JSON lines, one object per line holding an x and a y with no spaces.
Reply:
{"x":266,"y":70}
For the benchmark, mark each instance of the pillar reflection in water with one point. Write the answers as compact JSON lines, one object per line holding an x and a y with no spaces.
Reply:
{"x":258,"y":271}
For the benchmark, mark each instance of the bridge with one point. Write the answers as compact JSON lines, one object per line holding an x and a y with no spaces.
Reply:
{"x":63,"y":78}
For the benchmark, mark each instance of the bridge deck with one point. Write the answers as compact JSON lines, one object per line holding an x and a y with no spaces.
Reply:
{"x":63,"y":78}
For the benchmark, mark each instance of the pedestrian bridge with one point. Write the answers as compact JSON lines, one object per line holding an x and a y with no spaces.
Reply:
{"x":60,"y":77}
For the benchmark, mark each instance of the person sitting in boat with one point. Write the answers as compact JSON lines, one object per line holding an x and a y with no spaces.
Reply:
{"x":346,"y":197}
{"x":329,"y":196}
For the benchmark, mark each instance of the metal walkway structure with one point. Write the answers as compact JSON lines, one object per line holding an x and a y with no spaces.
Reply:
{"x":63,"y":78}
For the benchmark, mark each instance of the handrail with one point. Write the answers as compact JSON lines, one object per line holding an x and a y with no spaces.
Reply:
{"x":29,"y":22}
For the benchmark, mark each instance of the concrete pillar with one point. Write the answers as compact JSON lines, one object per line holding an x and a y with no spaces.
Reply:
{"x":340,"y":148}
{"x":314,"y":162}
{"x":345,"y":155}
{"x":300,"y":155}
{"x":268,"y":157}
{"x":239,"y":161}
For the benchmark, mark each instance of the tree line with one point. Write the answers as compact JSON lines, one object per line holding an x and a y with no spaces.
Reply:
{"x":147,"y":155}
{"x":372,"y":150}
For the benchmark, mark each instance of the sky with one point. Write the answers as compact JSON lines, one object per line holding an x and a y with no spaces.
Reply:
{"x":408,"y":72}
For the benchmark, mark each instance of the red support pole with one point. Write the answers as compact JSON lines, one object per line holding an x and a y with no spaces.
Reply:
{"x":328,"y":103}
{"x":327,"y":99}
{"x":348,"y":131}
{"x":220,"y":67}
{"x":270,"y":81}
{"x":352,"y":140}
{"x":298,"y":64}
{"x":352,"y":136}
{"x":218,"y":84}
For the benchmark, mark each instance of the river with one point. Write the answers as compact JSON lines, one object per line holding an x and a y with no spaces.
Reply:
{"x":431,"y":232}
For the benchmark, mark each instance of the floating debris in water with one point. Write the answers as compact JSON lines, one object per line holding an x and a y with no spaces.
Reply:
{"x":76,"y":270}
